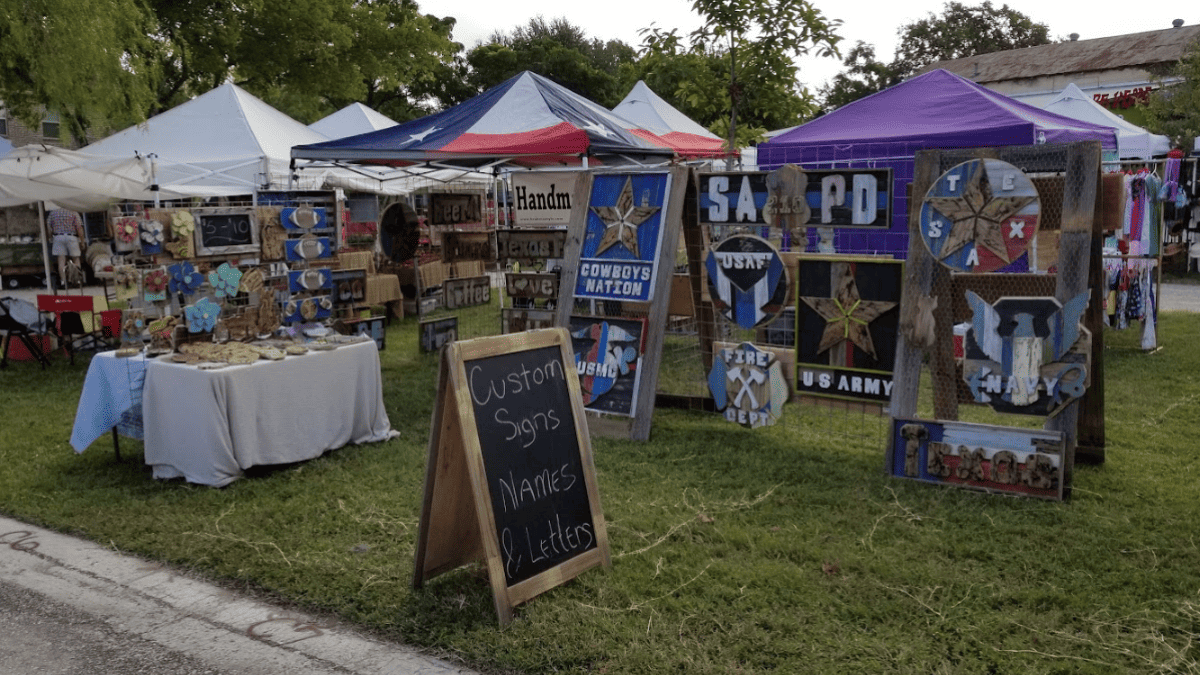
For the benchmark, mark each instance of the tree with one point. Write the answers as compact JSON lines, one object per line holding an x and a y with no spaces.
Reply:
{"x":863,"y":76}
{"x":306,"y":57}
{"x":80,"y":59}
{"x":757,"y":40}
{"x":963,"y":31}
{"x":1174,"y":110}
{"x":959,"y":32}
{"x":557,"y":50}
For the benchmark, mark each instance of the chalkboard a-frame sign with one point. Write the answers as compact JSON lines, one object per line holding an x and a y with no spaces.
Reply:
{"x":510,"y":479}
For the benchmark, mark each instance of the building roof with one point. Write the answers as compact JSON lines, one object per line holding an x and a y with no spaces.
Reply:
{"x":1138,"y":50}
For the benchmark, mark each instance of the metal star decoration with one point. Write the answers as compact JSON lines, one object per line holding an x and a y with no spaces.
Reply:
{"x":978,"y":215}
{"x":847,"y":315}
{"x":621,"y":221}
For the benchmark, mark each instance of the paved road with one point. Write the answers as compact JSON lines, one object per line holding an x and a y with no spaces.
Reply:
{"x":71,"y":607}
{"x":1180,"y":297}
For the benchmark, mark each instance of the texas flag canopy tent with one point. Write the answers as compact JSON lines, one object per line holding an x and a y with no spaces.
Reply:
{"x":661,"y":123}
{"x":527,"y":121}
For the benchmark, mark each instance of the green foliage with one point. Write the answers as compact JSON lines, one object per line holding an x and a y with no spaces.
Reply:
{"x":739,"y":64}
{"x":305,"y":57}
{"x":1174,"y":110}
{"x":783,"y":549}
{"x":105,"y":64}
{"x":83,"y":60}
{"x":963,"y":30}
{"x":863,"y":76}
{"x":557,"y":50}
{"x":960,"y":31}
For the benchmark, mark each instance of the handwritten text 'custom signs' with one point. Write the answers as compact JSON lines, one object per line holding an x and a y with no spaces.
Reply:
{"x":509,"y":426}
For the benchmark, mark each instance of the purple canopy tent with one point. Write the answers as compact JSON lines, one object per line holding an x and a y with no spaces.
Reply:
{"x":936,"y":110}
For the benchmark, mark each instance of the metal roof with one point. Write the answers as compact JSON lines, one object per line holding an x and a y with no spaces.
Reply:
{"x":1138,"y":50}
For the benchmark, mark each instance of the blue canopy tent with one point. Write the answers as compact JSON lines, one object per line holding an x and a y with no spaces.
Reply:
{"x":935,"y":110}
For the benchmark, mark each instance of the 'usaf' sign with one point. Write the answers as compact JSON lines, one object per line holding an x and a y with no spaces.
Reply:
{"x":747,"y":280}
{"x":832,"y":198}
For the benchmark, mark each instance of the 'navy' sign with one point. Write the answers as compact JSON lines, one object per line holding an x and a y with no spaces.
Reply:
{"x":832,"y":198}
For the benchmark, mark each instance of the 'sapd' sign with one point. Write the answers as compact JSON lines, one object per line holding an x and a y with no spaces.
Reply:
{"x":832,"y":198}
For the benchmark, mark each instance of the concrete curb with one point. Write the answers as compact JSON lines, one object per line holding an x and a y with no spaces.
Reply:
{"x":190,"y":617}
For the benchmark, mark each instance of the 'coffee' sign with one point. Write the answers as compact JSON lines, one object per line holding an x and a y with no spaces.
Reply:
{"x":831,"y":197}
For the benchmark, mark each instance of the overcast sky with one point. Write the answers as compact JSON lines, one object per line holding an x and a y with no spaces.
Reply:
{"x":872,"y":21}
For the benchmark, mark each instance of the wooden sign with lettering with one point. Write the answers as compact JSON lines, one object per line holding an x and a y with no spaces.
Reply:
{"x":454,"y":209}
{"x":467,"y":292}
{"x":510,"y":479}
{"x":462,"y":246}
{"x":536,"y":285}
{"x":529,"y":245}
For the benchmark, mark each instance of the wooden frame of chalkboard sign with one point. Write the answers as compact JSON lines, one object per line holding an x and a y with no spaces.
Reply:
{"x":225,"y":231}
{"x":510,"y":479}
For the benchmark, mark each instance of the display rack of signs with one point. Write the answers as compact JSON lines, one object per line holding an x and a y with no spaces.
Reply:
{"x":1024,"y":353}
{"x":543,"y":203}
{"x":510,"y":478}
{"x":620,"y":254}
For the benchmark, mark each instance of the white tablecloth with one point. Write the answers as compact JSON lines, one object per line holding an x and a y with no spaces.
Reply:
{"x":209,"y":425}
{"x":110,"y":388}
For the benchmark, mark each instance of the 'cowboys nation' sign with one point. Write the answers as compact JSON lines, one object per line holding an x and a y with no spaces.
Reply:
{"x":608,"y":354}
{"x":621,"y":245}
{"x":747,"y":280}
{"x":832,"y":198}
{"x":847,"y":319}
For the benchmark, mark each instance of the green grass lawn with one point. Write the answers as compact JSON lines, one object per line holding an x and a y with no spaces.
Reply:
{"x":776,"y":550}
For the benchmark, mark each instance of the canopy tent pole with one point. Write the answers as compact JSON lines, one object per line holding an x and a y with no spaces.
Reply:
{"x":45,"y":247}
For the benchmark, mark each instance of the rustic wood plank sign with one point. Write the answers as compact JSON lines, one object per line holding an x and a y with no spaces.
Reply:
{"x":467,"y":292}
{"x":532,"y":285}
{"x":518,"y":320}
{"x":983,"y":457}
{"x":464,"y":246}
{"x":454,"y":209}
{"x":529,"y":245}
{"x":438,"y":332}
{"x":510,"y":478}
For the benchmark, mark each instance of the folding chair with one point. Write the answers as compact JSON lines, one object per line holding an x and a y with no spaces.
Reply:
{"x":67,"y":322}
{"x":21,"y":319}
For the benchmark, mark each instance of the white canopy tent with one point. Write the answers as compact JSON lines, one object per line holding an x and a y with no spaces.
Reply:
{"x":224,"y":142}
{"x":1133,"y":142}
{"x":352,"y":120}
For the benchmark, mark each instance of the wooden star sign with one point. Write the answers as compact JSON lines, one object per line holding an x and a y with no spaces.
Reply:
{"x":981,"y":216}
{"x":848,"y":316}
{"x":621,"y":221}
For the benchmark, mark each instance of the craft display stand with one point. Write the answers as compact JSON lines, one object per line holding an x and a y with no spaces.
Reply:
{"x":655,"y":310}
{"x":1078,"y":269}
